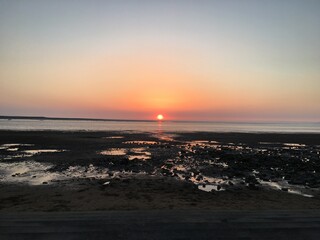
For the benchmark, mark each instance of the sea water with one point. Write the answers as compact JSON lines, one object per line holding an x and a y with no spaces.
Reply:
{"x":154,"y":126}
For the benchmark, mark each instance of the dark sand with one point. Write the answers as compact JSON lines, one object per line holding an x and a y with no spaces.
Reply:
{"x":162,"y":225}
{"x":160,"y":187}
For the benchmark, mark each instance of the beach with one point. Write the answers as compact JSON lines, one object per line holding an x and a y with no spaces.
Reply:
{"x":131,"y":170}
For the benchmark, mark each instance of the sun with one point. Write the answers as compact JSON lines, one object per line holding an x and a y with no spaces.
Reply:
{"x":160,"y":117}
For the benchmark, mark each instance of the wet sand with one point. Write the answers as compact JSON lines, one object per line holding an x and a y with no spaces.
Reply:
{"x":168,"y":171}
{"x":162,"y":224}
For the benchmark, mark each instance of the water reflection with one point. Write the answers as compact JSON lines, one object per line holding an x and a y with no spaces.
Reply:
{"x":115,"y":152}
{"x":130,"y":153}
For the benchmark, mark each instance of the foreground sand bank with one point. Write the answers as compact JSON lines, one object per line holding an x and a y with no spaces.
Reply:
{"x":162,"y":224}
{"x":168,"y":171}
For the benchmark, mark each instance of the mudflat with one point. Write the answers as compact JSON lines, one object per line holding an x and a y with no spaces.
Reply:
{"x":96,"y":171}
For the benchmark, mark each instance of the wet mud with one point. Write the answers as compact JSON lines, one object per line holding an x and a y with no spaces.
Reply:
{"x":214,"y":170}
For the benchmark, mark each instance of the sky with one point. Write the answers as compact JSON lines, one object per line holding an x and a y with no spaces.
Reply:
{"x":188,"y":60}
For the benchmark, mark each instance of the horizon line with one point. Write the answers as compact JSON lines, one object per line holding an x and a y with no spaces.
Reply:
{"x":9,"y":117}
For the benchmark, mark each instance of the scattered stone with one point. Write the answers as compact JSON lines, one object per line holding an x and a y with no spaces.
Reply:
{"x":251,"y":180}
{"x":252,"y":186}
{"x":199,"y":178}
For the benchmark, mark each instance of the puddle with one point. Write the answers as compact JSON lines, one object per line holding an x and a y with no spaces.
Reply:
{"x":8,"y":145}
{"x":85,"y":172}
{"x":30,"y":172}
{"x":114,"y":152}
{"x":126,"y":174}
{"x":294,"y":145}
{"x":209,"y":188}
{"x":114,"y":137}
{"x":269,"y":143}
{"x":294,"y":189}
{"x":38,"y":151}
{"x":132,"y":153}
{"x":13,"y":146}
{"x":12,"y":149}
{"x":165,"y":136}
{"x":139,"y":154}
{"x":141,"y":142}
{"x":179,"y":168}
{"x":203,"y":143}
{"x":209,"y":184}
{"x":28,"y":153}
{"x":220,"y":164}
{"x":34,"y":173}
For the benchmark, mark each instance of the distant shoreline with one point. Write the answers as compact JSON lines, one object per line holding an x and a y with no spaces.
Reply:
{"x":72,"y":119}
{"x":42,"y":118}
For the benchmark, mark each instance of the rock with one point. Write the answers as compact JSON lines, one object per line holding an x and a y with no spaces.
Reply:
{"x":199,"y":178}
{"x":252,"y":186}
{"x":251,"y":180}
{"x":218,"y":187}
{"x":285,"y":189}
{"x":45,"y":183}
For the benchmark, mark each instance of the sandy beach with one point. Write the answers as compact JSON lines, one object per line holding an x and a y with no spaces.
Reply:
{"x":94,"y":171}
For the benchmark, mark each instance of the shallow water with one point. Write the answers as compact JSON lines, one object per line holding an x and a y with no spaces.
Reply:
{"x":139,"y":154}
{"x":115,"y":152}
{"x":294,"y":189}
{"x":28,"y":172}
{"x":156,"y":127}
{"x":141,"y":142}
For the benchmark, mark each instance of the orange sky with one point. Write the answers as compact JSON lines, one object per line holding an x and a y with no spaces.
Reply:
{"x":187,"y":61}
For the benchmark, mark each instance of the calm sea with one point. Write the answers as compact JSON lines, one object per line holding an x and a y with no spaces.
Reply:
{"x":166,"y":126}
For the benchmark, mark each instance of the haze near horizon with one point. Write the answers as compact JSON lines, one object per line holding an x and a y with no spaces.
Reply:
{"x":186,"y":60}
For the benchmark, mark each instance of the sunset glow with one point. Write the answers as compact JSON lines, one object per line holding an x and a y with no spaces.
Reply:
{"x":214,"y":60}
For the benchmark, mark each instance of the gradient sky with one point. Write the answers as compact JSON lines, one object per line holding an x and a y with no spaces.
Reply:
{"x":189,"y":60}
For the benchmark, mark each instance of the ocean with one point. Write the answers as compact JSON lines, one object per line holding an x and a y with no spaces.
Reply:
{"x":155,"y":126}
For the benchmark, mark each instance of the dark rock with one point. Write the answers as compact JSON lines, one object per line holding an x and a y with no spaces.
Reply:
{"x":252,"y":186}
{"x":199,"y":178}
{"x":251,"y":179}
